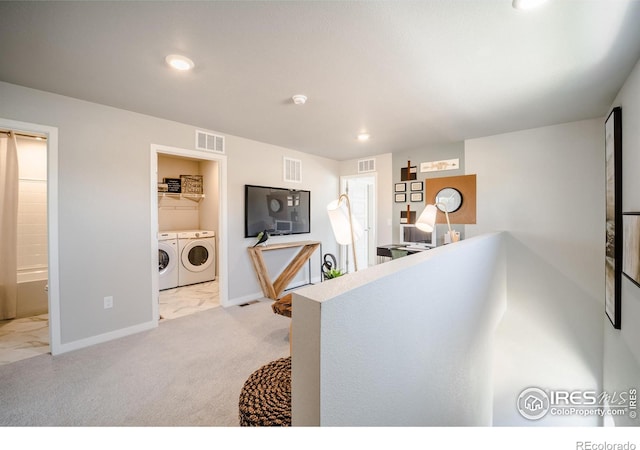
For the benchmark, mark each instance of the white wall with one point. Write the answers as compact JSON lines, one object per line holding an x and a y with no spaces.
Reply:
{"x":377,"y":348}
{"x":546,"y":187}
{"x":104,"y":207}
{"x":622,"y":347}
{"x":262,"y":164}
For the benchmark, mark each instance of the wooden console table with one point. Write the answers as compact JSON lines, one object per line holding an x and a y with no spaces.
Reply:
{"x":273,"y":290}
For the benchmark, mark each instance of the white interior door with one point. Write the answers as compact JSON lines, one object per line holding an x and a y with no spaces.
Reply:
{"x":361,"y":191}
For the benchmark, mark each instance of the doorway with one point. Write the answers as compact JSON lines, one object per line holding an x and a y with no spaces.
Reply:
{"x":208,"y":213}
{"x":35,"y":327}
{"x":361,"y":190}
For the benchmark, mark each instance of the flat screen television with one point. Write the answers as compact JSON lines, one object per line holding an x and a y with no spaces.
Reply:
{"x":412,"y":236}
{"x":280,"y":211}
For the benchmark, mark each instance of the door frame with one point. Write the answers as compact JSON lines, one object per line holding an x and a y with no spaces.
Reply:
{"x":157,"y":149}
{"x":374,"y":235}
{"x":52,"y":224}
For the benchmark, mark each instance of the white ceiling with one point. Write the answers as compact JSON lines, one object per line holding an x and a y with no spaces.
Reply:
{"x":412,"y":73}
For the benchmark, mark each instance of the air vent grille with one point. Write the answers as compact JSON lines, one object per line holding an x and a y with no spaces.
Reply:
{"x":292,"y":170}
{"x":366,"y":165}
{"x":209,"y":142}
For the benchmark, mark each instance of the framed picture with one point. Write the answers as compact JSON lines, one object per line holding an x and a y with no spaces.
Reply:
{"x":631,"y":244}
{"x":416,"y":185}
{"x":191,"y":184}
{"x":401,"y":198}
{"x":613,"y":221}
{"x":409,"y":172}
{"x":401,"y":187}
{"x":416,"y":196}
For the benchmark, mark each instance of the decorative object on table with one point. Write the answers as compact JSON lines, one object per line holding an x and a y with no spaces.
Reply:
{"x":465,"y":185}
{"x":417,"y":197}
{"x":265,"y":398}
{"x":427,"y":221}
{"x":408,"y":173}
{"x":401,"y":187}
{"x":613,"y":248}
{"x":400,"y":198}
{"x":631,"y":243}
{"x":174,"y":185}
{"x":416,"y":186}
{"x":191,"y":184}
{"x":346,"y":228}
{"x":163,"y":187}
{"x":262,"y":238}
{"x":330,"y":267}
{"x":437,"y":166}
{"x":408,"y":216}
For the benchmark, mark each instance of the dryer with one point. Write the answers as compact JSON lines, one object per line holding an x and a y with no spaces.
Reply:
{"x":168,"y":260}
{"x":197,"y":250}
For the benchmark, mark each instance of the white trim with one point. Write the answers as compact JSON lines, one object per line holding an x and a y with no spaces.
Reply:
{"x":223,"y":271}
{"x":105,"y":337}
{"x":55,"y":344}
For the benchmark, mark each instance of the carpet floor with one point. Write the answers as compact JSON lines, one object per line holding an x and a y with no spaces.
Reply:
{"x":187,"y":372}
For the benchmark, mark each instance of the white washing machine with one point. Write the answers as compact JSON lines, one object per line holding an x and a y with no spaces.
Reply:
{"x":197,"y":250}
{"x":168,"y":260}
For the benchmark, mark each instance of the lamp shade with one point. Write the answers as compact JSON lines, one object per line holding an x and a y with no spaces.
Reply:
{"x":339,"y":217}
{"x":427,"y":219}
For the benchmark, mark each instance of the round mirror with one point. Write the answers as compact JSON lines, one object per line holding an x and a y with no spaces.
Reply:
{"x":449,"y":199}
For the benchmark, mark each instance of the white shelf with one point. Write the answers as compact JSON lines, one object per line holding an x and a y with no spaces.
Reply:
{"x":194,"y":197}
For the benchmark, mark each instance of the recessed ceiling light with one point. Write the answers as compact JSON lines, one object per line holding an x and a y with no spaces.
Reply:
{"x":527,"y":4}
{"x":299,"y":99}
{"x":179,"y":62}
{"x":362,"y":137}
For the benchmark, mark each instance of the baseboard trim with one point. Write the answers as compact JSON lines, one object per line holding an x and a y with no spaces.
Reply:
{"x":105,"y":337}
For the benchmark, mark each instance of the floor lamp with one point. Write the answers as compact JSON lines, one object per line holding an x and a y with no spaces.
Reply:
{"x":345,"y":227}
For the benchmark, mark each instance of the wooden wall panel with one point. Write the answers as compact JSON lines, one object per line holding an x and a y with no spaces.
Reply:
{"x":466,"y":184}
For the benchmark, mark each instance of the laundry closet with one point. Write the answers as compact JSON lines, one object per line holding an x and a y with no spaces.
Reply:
{"x":188,"y":221}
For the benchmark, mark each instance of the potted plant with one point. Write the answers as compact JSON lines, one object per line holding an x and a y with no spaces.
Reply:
{"x":333,"y":273}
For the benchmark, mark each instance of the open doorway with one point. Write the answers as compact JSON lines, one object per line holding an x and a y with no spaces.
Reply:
{"x":361,"y":190}
{"x":29,"y":325}
{"x":188,"y":233}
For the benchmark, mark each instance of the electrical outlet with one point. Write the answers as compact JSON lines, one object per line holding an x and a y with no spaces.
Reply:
{"x":108,"y":302}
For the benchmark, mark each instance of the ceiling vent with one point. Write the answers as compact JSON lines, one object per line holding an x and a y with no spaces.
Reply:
{"x":292,"y":170}
{"x":209,"y":142}
{"x":366,"y":165}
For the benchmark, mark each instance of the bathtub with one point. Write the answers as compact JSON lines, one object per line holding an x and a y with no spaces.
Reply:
{"x":33,"y":296}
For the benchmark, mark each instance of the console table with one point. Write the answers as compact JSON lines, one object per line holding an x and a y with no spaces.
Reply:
{"x":274,"y":289}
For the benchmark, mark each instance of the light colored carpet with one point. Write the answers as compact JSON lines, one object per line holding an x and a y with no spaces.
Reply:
{"x":187,"y":372}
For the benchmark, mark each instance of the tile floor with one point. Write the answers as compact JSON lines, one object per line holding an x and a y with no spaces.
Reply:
{"x":28,"y":337}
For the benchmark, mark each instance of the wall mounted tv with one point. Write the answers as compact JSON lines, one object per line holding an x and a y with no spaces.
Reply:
{"x":280,"y":211}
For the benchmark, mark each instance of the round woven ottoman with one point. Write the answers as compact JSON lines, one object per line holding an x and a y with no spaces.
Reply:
{"x":265,"y":399}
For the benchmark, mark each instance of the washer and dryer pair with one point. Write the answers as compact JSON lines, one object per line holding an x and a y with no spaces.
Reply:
{"x":186,"y":257}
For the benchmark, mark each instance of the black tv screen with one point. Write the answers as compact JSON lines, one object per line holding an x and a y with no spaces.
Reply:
{"x":280,"y":211}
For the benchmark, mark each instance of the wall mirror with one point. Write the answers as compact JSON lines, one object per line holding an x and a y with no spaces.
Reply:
{"x":448,"y":198}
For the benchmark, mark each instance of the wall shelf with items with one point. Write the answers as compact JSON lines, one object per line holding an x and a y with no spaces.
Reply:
{"x":179,"y":196}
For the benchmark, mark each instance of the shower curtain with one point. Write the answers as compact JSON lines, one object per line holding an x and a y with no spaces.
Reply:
{"x":8,"y":225}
